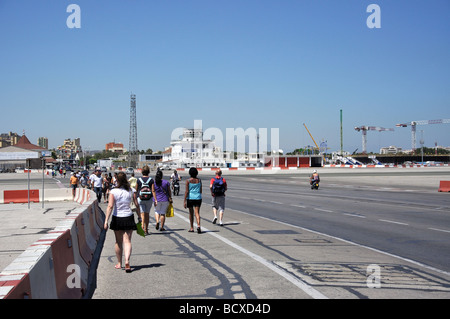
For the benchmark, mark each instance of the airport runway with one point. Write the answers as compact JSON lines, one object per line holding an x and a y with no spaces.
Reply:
{"x":280,"y":240}
{"x":283,"y":240}
{"x":406,"y":220}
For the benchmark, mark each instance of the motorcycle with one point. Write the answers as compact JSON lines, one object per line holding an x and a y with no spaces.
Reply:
{"x":315,"y":184}
{"x":176,"y":188}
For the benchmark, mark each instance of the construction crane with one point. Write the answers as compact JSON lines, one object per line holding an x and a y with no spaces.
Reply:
{"x":413,"y":128}
{"x":364,"y":130}
{"x":311,"y":136}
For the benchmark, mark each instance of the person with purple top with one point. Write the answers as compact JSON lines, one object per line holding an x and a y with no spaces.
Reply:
{"x":161,"y":197}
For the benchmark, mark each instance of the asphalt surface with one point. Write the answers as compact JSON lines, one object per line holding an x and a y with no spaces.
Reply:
{"x":408,"y":220}
{"x":362,"y":229}
{"x":283,"y":240}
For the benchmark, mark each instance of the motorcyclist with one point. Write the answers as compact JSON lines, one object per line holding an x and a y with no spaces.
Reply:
{"x":314,"y":178}
{"x":174,"y":178}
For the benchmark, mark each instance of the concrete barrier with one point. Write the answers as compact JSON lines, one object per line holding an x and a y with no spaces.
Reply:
{"x":444,"y":186}
{"x":58,"y":265}
{"x":37,"y":263}
{"x":78,"y":259}
{"x":95,"y":229}
{"x":99,"y":216}
{"x":63,"y":258}
{"x":83,"y":239}
{"x":15,"y":286}
{"x":56,"y":195}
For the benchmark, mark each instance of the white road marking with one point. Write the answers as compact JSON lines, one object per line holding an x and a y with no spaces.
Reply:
{"x":274,"y":202}
{"x":353,"y":215}
{"x":323,"y":210}
{"x":299,"y":206}
{"x":392,"y":222}
{"x":437,"y":229}
{"x":352,"y":243}
{"x":297,"y":282}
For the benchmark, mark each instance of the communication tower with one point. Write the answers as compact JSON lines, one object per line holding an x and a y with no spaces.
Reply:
{"x":132,"y":146}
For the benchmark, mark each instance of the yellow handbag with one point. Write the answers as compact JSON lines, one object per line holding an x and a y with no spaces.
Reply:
{"x":169,"y":212}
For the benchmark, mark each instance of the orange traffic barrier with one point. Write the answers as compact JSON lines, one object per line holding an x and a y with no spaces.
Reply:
{"x":444,"y":186}
{"x":20,"y":196}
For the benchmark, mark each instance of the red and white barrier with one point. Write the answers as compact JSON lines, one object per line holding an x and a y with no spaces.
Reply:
{"x":384,"y":166}
{"x":50,"y":195}
{"x":278,"y":168}
{"x":57,"y":265}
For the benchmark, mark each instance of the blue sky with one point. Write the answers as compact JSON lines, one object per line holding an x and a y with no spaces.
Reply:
{"x":248,"y":63}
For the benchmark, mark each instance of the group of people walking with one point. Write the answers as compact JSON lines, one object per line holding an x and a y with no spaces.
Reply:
{"x":148,"y":192}
{"x":101,"y":185}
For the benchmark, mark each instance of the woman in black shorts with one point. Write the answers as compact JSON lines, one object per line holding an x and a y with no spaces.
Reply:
{"x":193,"y":198}
{"x":122,"y":221}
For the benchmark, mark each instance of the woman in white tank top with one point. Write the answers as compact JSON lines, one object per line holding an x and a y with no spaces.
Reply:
{"x":122,"y":221}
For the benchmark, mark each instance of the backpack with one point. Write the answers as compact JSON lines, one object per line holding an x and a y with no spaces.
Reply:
{"x":218,"y":187}
{"x":145,"y":193}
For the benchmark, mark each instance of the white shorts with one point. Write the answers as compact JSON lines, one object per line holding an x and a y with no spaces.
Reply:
{"x":161,"y":208}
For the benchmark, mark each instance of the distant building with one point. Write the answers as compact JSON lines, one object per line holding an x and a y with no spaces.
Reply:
{"x":43,"y":142}
{"x":16,"y":155}
{"x":249,"y":160}
{"x":391,"y":150}
{"x":193,"y":151}
{"x":115,"y":147}
{"x":69,"y":150}
{"x":9,"y":139}
{"x":152,"y":160}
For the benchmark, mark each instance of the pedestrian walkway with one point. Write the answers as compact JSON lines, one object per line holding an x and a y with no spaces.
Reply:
{"x":179,"y":264}
{"x":255,"y":258}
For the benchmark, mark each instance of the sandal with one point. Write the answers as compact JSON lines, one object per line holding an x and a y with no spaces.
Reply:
{"x":127,"y":268}
{"x":118,"y":267}
{"x":199,"y":230}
